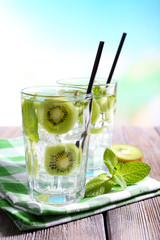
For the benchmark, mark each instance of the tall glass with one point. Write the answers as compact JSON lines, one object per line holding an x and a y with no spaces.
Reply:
{"x":56,"y":125}
{"x":102,"y":119}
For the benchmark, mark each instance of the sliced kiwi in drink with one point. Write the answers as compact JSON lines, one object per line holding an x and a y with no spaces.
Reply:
{"x":57,"y":115}
{"x":30,"y":122}
{"x":95,"y":112}
{"x":101,"y":98}
{"x":111,"y":107}
{"x":103,"y":104}
{"x":127,"y":153}
{"x":111,"y":101}
{"x":61,"y":159}
{"x":96,"y":130}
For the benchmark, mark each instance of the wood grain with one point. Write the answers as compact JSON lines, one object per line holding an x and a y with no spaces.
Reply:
{"x":141,"y":220}
{"x":90,"y":228}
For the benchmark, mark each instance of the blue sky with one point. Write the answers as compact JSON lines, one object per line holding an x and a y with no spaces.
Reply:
{"x":42,"y":41}
{"x":78,"y":26}
{"x":81,"y":24}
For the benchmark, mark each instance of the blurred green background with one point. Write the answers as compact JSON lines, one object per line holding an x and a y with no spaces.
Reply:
{"x":139,"y":94}
{"x":42,"y":41}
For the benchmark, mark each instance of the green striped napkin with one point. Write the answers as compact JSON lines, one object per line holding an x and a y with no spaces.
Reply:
{"x":28,"y":214}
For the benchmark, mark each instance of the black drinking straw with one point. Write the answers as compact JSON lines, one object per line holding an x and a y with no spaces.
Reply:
{"x":95,"y":67}
{"x":116,"y":58}
{"x":90,"y":85}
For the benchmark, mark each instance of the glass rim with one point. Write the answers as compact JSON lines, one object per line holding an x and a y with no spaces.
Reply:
{"x":69,"y":96}
{"x":62,"y":82}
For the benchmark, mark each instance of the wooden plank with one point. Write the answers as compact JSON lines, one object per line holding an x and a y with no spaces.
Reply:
{"x":140,"y":220}
{"x":87,"y":228}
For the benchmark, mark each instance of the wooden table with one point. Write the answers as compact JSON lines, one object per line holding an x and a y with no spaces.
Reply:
{"x":140,"y":221}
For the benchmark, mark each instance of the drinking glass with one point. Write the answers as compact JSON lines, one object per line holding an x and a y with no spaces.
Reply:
{"x":102,"y":120}
{"x":56,"y":125}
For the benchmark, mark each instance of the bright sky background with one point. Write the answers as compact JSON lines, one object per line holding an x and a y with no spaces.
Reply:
{"x":42,"y":41}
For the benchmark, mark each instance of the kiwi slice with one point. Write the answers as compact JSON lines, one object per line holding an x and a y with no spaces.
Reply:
{"x":80,"y":118}
{"x":57,"y":115}
{"x":127,"y":153}
{"x":111,"y":107}
{"x":96,"y":130}
{"x":61,"y":159}
{"x":30,"y":122}
{"x":111,"y":101}
{"x":101,"y":98}
{"x":95,"y":112}
{"x":102,"y":101}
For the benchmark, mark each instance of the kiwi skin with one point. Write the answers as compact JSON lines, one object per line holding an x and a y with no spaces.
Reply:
{"x":61,"y":159}
{"x":116,"y":148}
{"x":66,"y":110}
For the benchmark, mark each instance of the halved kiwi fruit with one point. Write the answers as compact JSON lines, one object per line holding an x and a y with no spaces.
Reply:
{"x":95,"y":112}
{"x":127,"y":153}
{"x":57,"y":115}
{"x":61,"y":159}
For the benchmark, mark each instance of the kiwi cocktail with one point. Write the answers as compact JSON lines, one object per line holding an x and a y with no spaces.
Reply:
{"x":56,"y":122}
{"x":102,"y":118}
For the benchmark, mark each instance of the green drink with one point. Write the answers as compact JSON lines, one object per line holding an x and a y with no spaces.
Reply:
{"x":102,"y":119}
{"x":56,"y":142}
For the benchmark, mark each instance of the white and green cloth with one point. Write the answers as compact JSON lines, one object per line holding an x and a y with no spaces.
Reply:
{"x":28,"y":214}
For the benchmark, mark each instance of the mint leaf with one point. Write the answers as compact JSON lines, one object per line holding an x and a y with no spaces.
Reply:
{"x":118,"y":179}
{"x":110,"y":160}
{"x":119,"y":166}
{"x":133,"y":172}
{"x":30,"y":122}
{"x":110,"y":156}
{"x":96,"y":90}
{"x":109,"y":166}
{"x":98,"y":185}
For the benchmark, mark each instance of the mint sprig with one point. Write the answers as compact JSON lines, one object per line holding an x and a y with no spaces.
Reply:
{"x":122,"y":174}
